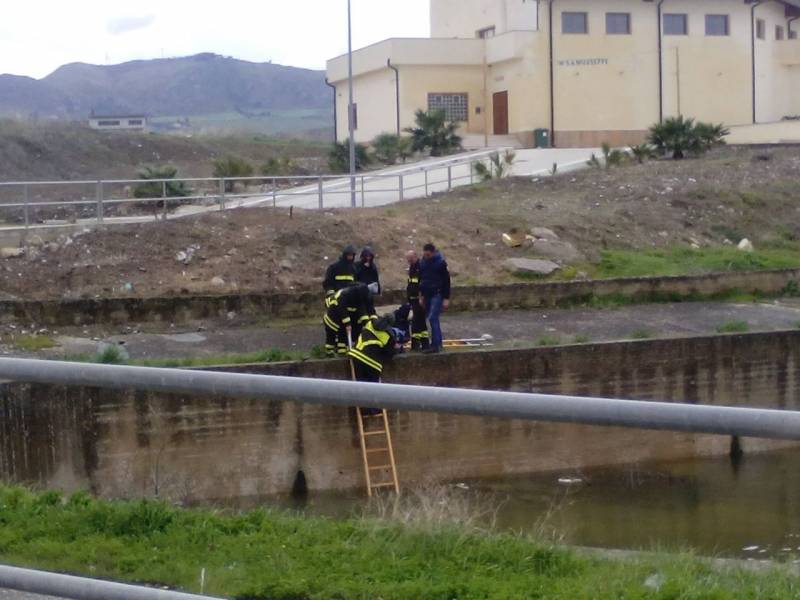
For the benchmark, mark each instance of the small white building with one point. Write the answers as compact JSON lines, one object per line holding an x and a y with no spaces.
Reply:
{"x":124,"y":122}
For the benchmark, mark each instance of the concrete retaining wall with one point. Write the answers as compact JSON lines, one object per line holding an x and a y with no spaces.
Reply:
{"x":194,"y":448}
{"x":179,"y":309}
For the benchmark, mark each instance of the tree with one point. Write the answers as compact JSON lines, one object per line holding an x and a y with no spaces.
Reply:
{"x":389,"y":147}
{"x":339,"y":157}
{"x":156,"y":189}
{"x":434,"y":133}
{"x":680,"y":137}
{"x":230,"y":166}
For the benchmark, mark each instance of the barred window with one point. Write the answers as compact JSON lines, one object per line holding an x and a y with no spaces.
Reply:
{"x":676,"y":24}
{"x":574,"y":22}
{"x":717,"y":25}
{"x":455,"y":106}
{"x":618,"y":23}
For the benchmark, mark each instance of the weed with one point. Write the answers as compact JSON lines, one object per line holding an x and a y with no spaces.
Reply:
{"x":581,"y":339}
{"x":111,"y":355}
{"x":792,"y":289}
{"x":32,"y":343}
{"x":734,"y":327}
{"x":549,"y":340}
{"x":642,"y":334}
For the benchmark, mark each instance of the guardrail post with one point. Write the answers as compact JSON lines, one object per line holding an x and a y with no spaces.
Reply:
{"x":222,"y":194}
{"x":164,"y":200}
{"x":471,"y":172}
{"x":26,"y":200}
{"x":363,"y":201}
{"x":426,"y":183}
{"x":99,"y":192}
{"x":320,"y":191}
{"x":449,"y":178}
{"x":400,"y":188}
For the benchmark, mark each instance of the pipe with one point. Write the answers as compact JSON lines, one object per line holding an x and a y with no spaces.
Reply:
{"x":753,"y":7}
{"x":396,"y":90}
{"x":660,"y":14}
{"x":335,"y":112}
{"x":78,"y":588}
{"x":552,"y":76}
{"x":746,"y":422}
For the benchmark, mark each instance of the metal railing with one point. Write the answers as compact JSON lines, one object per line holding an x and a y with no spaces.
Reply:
{"x":692,"y":418}
{"x":26,"y":204}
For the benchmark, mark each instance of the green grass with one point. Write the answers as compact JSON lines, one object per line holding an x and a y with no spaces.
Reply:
{"x":273,"y":555}
{"x":734,"y":327}
{"x":549,"y":340}
{"x":112,"y":355}
{"x":642,"y":334}
{"x":581,"y":339}
{"x":31,"y":343}
{"x":683,"y":260}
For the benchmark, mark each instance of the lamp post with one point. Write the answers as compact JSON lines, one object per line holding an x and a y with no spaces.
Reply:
{"x":351,"y":107}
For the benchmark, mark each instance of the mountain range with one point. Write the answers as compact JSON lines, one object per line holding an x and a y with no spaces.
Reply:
{"x":195,"y":85}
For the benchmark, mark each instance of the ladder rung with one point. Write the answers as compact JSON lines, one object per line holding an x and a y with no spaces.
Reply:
{"x":381,"y":432}
{"x":380,"y":468}
{"x":376,"y":450}
{"x":378,"y":416}
{"x":382,"y":485}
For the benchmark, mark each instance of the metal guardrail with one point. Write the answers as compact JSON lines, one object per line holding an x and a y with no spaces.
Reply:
{"x":750,"y":422}
{"x":78,"y":588}
{"x":99,"y":197}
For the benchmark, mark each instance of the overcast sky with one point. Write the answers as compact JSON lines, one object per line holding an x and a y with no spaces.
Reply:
{"x":37,"y":36}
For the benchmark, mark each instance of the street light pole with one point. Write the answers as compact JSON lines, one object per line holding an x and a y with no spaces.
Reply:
{"x":351,"y":108}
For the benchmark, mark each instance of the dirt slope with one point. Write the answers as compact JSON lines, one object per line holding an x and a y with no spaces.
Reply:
{"x":732,"y":193}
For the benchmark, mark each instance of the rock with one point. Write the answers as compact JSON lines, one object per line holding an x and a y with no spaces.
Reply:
{"x":285,"y":265}
{"x":218,"y":282}
{"x":746,"y":245}
{"x":12,"y":252}
{"x":561,"y":252}
{"x":531,"y":266}
{"x":34,"y":241}
{"x":543,"y":233}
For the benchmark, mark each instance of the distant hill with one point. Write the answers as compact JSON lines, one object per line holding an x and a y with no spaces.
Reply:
{"x":196,"y":85}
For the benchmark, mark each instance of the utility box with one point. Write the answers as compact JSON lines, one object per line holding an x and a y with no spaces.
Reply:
{"x":541,"y":138}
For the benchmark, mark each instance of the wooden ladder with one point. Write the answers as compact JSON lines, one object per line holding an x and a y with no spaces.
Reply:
{"x":377,"y":451}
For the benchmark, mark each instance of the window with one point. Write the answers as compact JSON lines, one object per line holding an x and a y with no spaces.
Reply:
{"x":574,"y":22}
{"x":761,"y":29}
{"x":676,"y":24}
{"x":135,"y":122}
{"x":779,"y":33}
{"x":792,"y":35}
{"x":455,"y":106}
{"x":108,"y":123}
{"x":487,"y":33}
{"x":618,"y":23}
{"x":717,"y":25}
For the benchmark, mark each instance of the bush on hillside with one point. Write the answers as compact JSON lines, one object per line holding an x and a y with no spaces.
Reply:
{"x":231,"y":166}
{"x":339,"y":157}
{"x":157,"y":189}
{"x":388,"y":148}
{"x":681,"y":137}
{"x":433,"y":133}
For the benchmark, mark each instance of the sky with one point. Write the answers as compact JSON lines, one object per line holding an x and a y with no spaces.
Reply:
{"x":38,"y":36}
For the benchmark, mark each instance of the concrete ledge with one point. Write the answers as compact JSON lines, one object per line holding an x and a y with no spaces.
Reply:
{"x":192,"y":448}
{"x":181,"y":309}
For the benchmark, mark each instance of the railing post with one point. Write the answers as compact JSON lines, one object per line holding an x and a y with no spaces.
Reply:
{"x":363,"y":200}
{"x":320,"y":191}
{"x":449,"y":178}
{"x":400,"y":188}
{"x":164,"y":200}
{"x":426,"y":182}
{"x":471,"y":172}
{"x":99,"y":192}
{"x":26,"y":200}
{"x":222,"y":194}
{"x":274,"y":192}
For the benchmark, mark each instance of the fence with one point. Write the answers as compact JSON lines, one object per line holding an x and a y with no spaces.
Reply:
{"x":28,"y":204}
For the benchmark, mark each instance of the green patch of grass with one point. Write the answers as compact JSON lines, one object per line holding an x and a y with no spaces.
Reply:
{"x":549,"y":340}
{"x":273,"y":555}
{"x":31,"y":343}
{"x":734,"y":327}
{"x":642,"y":334}
{"x":581,"y":339}
{"x":112,"y":355}
{"x":683,"y":260}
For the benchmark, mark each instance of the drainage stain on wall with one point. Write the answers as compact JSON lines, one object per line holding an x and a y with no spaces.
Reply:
{"x":126,"y":443}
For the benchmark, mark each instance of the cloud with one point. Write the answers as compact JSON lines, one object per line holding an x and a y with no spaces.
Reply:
{"x":122,"y":25}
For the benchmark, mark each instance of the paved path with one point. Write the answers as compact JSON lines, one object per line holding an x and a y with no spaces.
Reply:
{"x":509,"y":328}
{"x":11,"y":595}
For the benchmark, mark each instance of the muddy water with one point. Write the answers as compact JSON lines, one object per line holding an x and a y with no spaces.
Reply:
{"x":749,"y":509}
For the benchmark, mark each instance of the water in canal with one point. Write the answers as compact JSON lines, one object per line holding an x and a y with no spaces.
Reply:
{"x":747,"y":509}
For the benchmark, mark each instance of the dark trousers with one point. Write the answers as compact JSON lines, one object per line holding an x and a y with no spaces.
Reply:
{"x":420,"y":338}
{"x":335,"y":334}
{"x":366,"y":374}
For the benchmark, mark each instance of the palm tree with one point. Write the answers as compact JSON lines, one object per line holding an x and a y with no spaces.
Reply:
{"x":433,"y":132}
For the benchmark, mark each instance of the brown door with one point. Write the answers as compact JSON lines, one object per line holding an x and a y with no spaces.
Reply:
{"x":500,"y":105}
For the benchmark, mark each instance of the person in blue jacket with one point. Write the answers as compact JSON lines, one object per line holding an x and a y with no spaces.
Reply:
{"x":434,"y":287}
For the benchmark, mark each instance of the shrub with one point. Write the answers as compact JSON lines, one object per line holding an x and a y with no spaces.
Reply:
{"x":680,"y":137}
{"x":231,"y":166}
{"x":339,"y":157}
{"x":388,"y":148}
{"x":611,"y":156}
{"x":499,"y":166}
{"x":642,"y":152}
{"x":174,"y":189}
{"x":734,"y":327}
{"x":434,"y":133}
{"x":280,"y":167}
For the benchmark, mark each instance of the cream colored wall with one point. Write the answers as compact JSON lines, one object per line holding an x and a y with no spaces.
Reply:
{"x":775,"y":79}
{"x":464,"y":18}
{"x":374,"y":96}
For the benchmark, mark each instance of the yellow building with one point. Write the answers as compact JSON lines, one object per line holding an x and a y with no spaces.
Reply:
{"x":586,"y":70}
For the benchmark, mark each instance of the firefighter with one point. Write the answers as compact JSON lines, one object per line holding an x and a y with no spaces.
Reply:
{"x":367,"y":270}
{"x":342,"y":273}
{"x":376,"y":345}
{"x":348,"y":311}
{"x":420,"y":338}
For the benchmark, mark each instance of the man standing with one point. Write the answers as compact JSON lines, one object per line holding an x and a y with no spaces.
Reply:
{"x":420,"y":338}
{"x":342,"y":273}
{"x":367,"y":271}
{"x":434,"y":284}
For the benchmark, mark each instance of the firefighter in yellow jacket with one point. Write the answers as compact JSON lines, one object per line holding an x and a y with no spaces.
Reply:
{"x":378,"y":343}
{"x":348,"y":311}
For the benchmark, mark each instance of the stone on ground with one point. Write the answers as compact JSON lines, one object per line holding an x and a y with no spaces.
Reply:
{"x":561,"y":252}
{"x":543,"y":233}
{"x":532,"y":266}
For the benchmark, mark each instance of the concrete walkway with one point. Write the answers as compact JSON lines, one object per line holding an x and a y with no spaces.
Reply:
{"x":509,"y":329}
